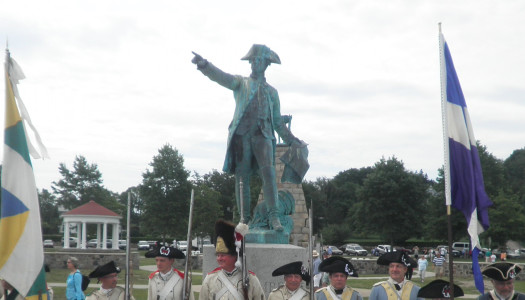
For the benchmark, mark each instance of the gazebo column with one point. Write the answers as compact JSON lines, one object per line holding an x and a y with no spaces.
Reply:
{"x":84,"y":234}
{"x":115,"y":236}
{"x":104,"y":235}
{"x":79,"y":237}
{"x":66,"y":235}
{"x":98,"y":235}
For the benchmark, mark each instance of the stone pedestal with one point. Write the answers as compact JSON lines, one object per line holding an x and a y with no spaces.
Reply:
{"x":300,"y":232}
{"x":261,"y":259}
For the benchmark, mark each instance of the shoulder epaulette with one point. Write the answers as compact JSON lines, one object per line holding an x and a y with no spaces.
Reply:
{"x":179,"y":272}
{"x":216,"y":269}
{"x":379,"y":283}
{"x":153,"y":274}
{"x":276,"y":289}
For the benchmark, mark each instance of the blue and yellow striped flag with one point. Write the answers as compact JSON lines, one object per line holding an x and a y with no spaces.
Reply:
{"x":21,"y":253}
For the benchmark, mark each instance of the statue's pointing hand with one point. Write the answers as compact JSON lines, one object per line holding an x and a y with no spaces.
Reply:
{"x":198,"y":60}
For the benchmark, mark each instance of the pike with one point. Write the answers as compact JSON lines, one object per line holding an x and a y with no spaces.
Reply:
{"x":186,"y":285}
{"x":310,"y":249}
{"x":245,"y":278}
{"x":129,"y":284}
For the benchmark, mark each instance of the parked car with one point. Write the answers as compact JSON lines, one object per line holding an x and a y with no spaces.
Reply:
{"x":182,"y":245}
{"x":406,"y":250}
{"x":335,"y":250}
{"x":72,"y":242}
{"x":382,"y":249}
{"x":92,"y":243}
{"x":48,"y":244}
{"x":355,"y":249}
{"x":455,"y":253}
{"x":143,"y":245}
{"x":122,"y":244}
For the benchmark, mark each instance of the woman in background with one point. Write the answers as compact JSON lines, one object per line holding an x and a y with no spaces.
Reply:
{"x":74,"y":281}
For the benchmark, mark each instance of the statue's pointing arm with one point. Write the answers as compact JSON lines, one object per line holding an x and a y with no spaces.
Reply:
{"x":227,"y":80}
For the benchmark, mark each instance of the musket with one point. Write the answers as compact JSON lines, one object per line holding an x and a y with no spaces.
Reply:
{"x":245,"y":278}
{"x":128,"y":248}
{"x":186,"y":286}
{"x":310,"y":249}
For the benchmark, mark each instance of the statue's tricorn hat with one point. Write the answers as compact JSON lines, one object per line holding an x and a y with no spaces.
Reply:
{"x":502,"y":271}
{"x":293,"y":268}
{"x":439,"y":289}
{"x":262,"y":51}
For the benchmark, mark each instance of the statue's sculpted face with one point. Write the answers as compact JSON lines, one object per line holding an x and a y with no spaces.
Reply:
{"x":259,"y":64}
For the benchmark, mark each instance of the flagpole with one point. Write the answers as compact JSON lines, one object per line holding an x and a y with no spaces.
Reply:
{"x":446,"y":165}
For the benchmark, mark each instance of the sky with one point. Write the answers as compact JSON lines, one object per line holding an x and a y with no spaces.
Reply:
{"x":113,"y":80}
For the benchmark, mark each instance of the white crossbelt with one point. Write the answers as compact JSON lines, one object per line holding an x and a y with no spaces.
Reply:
{"x":168,"y":287}
{"x":228,"y":286}
{"x":298,"y":295}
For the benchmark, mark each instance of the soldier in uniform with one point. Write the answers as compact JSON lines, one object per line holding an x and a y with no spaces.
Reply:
{"x":294,"y":273}
{"x":107,"y":275}
{"x":225,"y":282}
{"x":502,"y":275}
{"x":338,"y":269}
{"x":439,"y":289}
{"x":396,"y":287}
{"x":167,"y":282}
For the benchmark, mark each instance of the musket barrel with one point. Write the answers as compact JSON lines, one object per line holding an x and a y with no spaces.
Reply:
{"x":186,"y":287}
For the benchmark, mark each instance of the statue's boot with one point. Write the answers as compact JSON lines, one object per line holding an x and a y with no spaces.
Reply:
{"x":275,"y":224}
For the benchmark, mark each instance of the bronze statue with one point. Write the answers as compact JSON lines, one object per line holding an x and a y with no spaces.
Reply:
{"x":251,"y":139}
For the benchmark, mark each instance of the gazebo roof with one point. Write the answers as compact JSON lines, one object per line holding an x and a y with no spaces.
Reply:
{"x":91,"y":209}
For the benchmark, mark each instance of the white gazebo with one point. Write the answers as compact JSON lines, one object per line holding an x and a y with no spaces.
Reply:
{"x":91,"y":213}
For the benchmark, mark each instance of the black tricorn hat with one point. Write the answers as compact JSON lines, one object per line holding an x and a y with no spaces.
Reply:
{"x":293,"y":268}
{"x":262,"y":51}
{"x":396,"y":257}
{"x":165,"y":251}
{"x":439,"y":289}
{"x":337,"y":264}
{"x":104,"y":270}
{"x":225,"y":242}
{"x":502,"y":271}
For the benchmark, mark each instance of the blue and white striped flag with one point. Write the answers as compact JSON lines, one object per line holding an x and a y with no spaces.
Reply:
{"x":465,"y":189}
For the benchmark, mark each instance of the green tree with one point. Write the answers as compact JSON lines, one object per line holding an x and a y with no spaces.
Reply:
{"x":493,"y":171}
{"x":136,"y":210}
{"x":165,"y":190}
{"x":514,"y":167}
{"x":49,"y":215}
{"x":206,"y":211}
{"x":224,"y":184}
{"x":392,"y":201}
{"x":82,"y":184}
{"x":506,"y":217}
{"x":315,"y":193}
